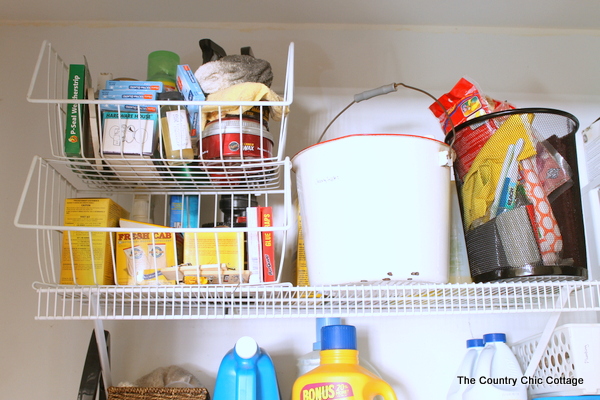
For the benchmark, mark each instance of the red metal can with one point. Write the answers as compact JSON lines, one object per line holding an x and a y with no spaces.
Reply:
{"x":236,"y":138}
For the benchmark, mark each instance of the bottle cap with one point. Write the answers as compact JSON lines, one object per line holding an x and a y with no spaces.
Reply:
{"x":475,"y":343}
{"x":321,"y":322}
{"x":338,"y":337}
{"x":494,"y":337}
{"x":246,"y":347}
{"x":162,"y":66}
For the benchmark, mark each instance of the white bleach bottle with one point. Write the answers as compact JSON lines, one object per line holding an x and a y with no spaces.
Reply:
{"x":497,"y":372}
{"x":465,"y":369}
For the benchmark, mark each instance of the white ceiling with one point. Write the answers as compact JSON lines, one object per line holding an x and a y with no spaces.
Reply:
{"x":558,"y":14}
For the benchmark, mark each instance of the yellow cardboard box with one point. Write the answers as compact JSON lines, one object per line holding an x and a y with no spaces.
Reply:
{"x":141,"y":256}
{"x":201,"y":248}
{"x":78,"y":266}
{"x":301,"y":266}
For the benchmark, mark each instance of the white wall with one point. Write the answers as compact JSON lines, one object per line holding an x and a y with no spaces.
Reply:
{"x":416,"y":354}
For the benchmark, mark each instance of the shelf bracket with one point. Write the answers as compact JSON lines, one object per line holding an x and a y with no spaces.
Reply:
{"x":561,"y":300}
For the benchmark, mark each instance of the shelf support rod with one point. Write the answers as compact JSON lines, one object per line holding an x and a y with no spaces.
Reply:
{"x":101,"y":342}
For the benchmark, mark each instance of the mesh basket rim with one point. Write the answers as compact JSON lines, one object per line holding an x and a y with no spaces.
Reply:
{"x":515,"y":111}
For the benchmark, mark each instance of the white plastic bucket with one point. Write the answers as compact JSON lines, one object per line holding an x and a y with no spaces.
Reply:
{"x":375,"y":207}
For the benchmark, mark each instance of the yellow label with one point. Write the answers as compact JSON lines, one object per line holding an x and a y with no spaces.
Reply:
{"x":327,"y":391}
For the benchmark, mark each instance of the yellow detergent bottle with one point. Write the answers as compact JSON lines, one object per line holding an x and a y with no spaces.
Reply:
{"x":339,"y":376}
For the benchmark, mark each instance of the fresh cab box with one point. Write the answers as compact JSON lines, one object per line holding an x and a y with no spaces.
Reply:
{"x":142,"y":256}
{"x":77,"y":264}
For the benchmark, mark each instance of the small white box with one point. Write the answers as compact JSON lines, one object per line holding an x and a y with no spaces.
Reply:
{"x":129,"y":133}
{"x":129,"y":140}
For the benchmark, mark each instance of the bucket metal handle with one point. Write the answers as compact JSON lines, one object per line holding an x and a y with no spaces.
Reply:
{"x":393,"y":87}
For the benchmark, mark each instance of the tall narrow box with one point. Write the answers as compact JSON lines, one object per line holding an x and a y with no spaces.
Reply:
{"x":268,"y":247}
{"x":87,"y":257}
{"x":76,"y":144}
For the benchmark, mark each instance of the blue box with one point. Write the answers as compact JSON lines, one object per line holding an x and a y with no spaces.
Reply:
{"x":156,"y":86}
{"x":191,"y":91}
{"x":183,"y":211}
{"x":110,"y":94}
{"x":582,"y":397}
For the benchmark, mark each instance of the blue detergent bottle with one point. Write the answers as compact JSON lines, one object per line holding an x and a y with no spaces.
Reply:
{"x":246,"y":373}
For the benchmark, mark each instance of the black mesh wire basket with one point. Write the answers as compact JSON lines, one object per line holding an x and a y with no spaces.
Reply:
{"x":517,"y":180}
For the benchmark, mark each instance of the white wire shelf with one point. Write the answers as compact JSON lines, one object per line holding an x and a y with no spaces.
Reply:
{"x":285,"y":301}
{"x":106,"y":159}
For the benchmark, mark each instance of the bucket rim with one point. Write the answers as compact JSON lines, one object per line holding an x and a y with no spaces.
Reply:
{"x":368,"y":134}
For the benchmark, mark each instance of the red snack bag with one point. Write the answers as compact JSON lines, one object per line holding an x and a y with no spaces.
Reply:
{"x":463,"y":103}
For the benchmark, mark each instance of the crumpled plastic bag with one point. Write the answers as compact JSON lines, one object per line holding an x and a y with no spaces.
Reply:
{"x":231,"y":70}
{"x":171,"y":376}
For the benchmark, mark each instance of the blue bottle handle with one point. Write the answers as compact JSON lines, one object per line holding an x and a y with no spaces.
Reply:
{"x":247,"y":373}
{"x":246,"y":386}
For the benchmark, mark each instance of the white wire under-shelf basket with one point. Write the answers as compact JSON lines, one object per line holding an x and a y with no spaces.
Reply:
{"x":149,"y":175}
{"x":253,"y":164}
{"x":42,"y":209}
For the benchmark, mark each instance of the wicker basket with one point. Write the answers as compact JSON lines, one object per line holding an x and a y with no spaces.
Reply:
{"x":157,"y":393}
